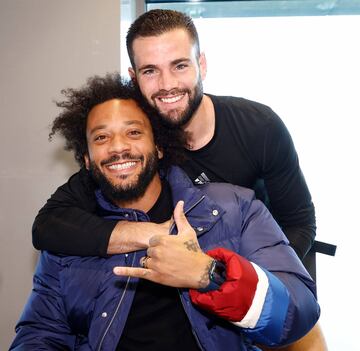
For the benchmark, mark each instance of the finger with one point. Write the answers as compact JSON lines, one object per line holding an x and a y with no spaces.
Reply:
{"x":151,"y":251}
{"x":133,"y":272}
{"x":156,"y":240}
{"x":144,"y":261}
{"x":180,"y":219}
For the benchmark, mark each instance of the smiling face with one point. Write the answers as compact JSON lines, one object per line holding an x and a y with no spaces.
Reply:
{"x":170,"y":74}
{"x":122,"y":155}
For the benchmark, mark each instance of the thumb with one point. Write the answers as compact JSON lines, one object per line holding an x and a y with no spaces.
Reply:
{"x":179,"y":217}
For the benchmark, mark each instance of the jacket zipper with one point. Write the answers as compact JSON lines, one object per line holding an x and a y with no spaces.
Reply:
{"x":181,"y":300}
{"x":117,"y":308}
{"x":128,"y":280}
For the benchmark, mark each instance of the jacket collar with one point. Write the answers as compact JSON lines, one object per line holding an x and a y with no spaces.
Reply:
{"x":201,"y":211}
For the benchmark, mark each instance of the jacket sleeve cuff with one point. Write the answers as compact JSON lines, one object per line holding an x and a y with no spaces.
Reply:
{"x":236,"y":295}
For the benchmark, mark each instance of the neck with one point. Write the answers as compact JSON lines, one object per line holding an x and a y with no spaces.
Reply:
{"x":147,"y":201}
{"x":201,"y":127}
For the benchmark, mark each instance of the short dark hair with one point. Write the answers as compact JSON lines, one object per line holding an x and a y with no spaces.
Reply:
{"x":71,"y":122}
{"x":157,"y":22}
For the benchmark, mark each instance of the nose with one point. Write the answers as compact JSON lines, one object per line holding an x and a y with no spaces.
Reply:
{"x":167,"y":80}
{"x":119,"y":144}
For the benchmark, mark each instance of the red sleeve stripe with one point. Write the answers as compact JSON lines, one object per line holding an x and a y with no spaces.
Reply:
{"x":235,"y":296}
{"x":253,"y":314}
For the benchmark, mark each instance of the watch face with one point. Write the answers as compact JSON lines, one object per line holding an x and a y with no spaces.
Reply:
{"x":217,"y":276}
{"x":217,"y":273}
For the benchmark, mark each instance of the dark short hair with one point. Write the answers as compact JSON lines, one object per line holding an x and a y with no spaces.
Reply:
{"x":71,"y":122}
{"x":157,"y":22}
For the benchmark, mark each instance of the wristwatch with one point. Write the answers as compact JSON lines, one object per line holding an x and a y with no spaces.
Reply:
{"x":217,"y":276}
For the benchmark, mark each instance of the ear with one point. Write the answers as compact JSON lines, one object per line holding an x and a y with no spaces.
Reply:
{"x":87,"y":161}
{"x":203,"y":66}
{"x":132,"y":73}
{"x":160,"y":153}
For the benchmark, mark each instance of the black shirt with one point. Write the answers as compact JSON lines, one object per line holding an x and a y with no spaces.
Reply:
{"x":251,"y":147}
{"x":157,"y":320}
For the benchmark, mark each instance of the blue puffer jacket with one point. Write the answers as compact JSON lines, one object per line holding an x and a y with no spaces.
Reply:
{"x":77,"y":303}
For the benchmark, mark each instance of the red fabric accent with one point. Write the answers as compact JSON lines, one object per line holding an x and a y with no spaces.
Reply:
{"x":235,"y":296}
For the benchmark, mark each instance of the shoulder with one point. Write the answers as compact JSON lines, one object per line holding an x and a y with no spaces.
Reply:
{"x":246,"y":116}
{"x":240,"y":104}
{"x":229,"y":196}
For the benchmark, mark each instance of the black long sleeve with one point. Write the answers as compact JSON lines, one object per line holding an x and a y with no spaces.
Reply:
{"x":67,"y":224}
{"x":289,"y":197}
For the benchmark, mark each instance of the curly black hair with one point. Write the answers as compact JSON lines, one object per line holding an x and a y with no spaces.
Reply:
{"x":71,"y":122}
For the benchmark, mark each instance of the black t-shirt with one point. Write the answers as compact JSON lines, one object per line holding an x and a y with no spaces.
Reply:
{"x":251,"y":147}
{"x":157,"y":320}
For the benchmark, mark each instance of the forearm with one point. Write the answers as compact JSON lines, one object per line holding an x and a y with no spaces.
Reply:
{"x":72,"y":231}
{"x":67,"y":223}
{"x":132,"y":236}
{"x":259,"y":302}
{"x":286,"y":189}
{"x":301,"y":238}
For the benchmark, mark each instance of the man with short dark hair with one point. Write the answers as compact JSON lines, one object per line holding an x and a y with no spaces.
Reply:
{"x":226,"y":279}
{"x":229,"y":139}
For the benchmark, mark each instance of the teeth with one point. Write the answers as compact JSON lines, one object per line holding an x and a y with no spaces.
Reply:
{"x":171,"y":99}
{"x":121,"y":166}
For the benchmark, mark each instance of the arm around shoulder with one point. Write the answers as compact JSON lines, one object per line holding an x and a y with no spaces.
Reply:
{"x":68,"y":224}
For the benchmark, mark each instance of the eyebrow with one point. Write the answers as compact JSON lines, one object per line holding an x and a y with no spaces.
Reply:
{"x":127,"y":123}
{"x":173,"y":63}
{"x":180,"y":60}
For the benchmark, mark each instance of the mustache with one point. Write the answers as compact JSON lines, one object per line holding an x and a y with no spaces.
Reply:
{"x":174,"y":91}
{"x":122,"y":157}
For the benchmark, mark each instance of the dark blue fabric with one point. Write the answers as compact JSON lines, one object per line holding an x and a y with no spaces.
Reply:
{"x":79,"y":304}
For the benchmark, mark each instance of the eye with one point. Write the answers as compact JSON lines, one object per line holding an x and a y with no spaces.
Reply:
{"x":148,"y":72}
{"x":135,"y":133}
{"x":100,"y":138}
{"x":181,"y":66}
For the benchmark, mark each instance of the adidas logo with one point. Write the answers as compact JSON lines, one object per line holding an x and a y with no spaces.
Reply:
{"x":202,"y":179}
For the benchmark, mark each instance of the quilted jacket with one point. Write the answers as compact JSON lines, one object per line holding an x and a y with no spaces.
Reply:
{"x":77,"y":303}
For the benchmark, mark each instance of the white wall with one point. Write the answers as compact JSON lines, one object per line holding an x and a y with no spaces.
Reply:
{"x":45,"y":46}
{"x":307,"y":69}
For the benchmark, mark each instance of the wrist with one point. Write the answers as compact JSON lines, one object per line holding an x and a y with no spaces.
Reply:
{"x":126,"y":237}
{"x":215,"y":276}
{"x":204,"y":281}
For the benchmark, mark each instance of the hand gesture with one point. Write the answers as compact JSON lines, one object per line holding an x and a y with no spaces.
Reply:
{"x":174,"y":260}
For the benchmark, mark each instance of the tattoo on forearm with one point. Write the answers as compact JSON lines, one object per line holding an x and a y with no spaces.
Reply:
{"x":191,"y":245}
{"x":204,"y":279}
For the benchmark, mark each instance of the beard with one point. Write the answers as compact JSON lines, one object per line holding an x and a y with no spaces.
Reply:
{"x":185,"y":116}
{"x":127,"y":192}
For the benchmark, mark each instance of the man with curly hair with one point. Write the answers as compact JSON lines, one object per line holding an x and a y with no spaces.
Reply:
{"x":229,"y":139}
{"x":225,"y":279}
